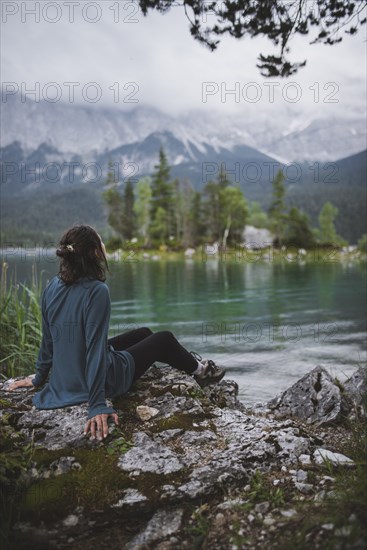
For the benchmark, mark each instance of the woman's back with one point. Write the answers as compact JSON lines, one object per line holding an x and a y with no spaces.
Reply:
{"x":75,"y":320}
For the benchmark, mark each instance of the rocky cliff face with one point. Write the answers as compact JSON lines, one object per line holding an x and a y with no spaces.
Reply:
{"x":178,"y":447}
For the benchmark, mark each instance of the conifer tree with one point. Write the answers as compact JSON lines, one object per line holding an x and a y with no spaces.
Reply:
{"x":326,"y":221}
{"x":298,"y":231}
{"x":128,"y":222}
{"x":159,"y":225}
{"x":212,"y":210}
{"x":162,"y":199}
{"x":114,"y":202}
{"x":197,"y":219}
{"x":142,"y":207}
{"x":222,"y":179}
{"x":277,"y":209}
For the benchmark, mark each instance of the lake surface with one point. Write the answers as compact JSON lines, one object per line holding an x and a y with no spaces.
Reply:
{"x":267,"y":323}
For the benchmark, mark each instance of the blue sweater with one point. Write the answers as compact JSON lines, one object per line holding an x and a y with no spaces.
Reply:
{"x":84,"y":367}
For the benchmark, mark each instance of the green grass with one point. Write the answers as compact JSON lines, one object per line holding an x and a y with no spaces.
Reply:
{"x":20,"y":324}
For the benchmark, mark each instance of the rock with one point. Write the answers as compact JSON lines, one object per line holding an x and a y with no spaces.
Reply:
{"x":315,"y":398}
{"x":288,"y":513}
{"x":301,"y":475}
{"x":322,"y":456}
{"x":228,"y":504}
{"x":161,"y":525}
{"x":171,"y":404}
{"x":327,"y":526}
{"x":224,"y":394}
{"x":146,"y":413}
{"x":320,"y":496}
{"x":132,"y":496}
{"x":194,"y":437}
{"x":63,"y":465}
{"x":220,"y":520}
{"x":198,"y":443}
{"x":305,"y":460}
{"x":344,"y":531}
{"x":305,"y":488}
{"x":256,"y":239}
{"x":71,"y":520}
{"x":327,"y":478}
{"x":149,"y":456}
{"x":262,"y":507}
{"x":168,"y":435}
{"x":355,"y":388}
{"x":57,"y":428}
{"x":289,"y":443}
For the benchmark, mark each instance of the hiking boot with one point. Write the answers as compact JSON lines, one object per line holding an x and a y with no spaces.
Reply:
{"x":212,"y":374}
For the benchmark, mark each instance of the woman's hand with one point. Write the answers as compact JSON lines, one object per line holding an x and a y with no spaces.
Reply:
{"x":23,"y":383}
{"x":99,"y":425}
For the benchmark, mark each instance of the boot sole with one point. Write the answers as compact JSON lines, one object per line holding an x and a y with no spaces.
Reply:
{"x":209,"y":381}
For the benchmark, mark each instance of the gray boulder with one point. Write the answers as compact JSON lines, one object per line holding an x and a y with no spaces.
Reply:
{"x":315,"y":398}
{"x":162,"y":524}
{"x":255,"y":238}
{"x":355,"y":389}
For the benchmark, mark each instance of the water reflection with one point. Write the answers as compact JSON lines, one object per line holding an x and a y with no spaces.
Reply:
{"x":267,"y":323}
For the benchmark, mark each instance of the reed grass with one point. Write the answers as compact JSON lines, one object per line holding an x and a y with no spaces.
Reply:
{"x":20,"y":323}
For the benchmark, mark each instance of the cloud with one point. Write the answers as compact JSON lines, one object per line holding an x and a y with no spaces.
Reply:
{"x":169,"y":67}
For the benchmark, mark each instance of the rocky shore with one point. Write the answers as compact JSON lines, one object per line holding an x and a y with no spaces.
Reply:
{"x":186,"y":467}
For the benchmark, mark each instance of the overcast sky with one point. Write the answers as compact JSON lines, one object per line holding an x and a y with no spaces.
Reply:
{"x":168,"y":66}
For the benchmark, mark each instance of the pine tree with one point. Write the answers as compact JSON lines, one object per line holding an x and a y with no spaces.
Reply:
{"x":212,"y":210}
{"x":159,"y":225}
{"x":114,"y":202}
{"x":196,"y":220}
{"x":182,"y":201}
{"x":128,"y":222}
{"x":142,"y":208}
{"x":222,"y":179}
{"x":277,"y":209}
{"x":162,"y":199}
{"x":326,"y":221}
{"x":298,"y":231}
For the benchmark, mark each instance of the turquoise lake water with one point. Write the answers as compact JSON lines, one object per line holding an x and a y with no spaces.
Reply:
{"x":267,"y":323}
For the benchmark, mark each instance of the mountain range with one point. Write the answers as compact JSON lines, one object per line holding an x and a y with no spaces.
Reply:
{"x":59,"y":148}
{"x":92,"y":130}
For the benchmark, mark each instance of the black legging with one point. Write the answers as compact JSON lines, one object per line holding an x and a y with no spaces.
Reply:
{"x":147,"y":347}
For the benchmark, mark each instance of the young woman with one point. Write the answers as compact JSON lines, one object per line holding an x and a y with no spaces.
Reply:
{"x":85,"y":365}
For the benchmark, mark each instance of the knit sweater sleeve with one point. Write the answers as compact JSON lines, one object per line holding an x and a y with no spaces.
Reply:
{"x":97,"y":316}
{"x":44,"y":360}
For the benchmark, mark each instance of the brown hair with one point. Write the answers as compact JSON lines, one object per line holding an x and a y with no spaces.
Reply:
{"x":77,"y":250}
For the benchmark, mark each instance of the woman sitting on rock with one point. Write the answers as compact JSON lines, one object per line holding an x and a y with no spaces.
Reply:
{"x":85,"y":365}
